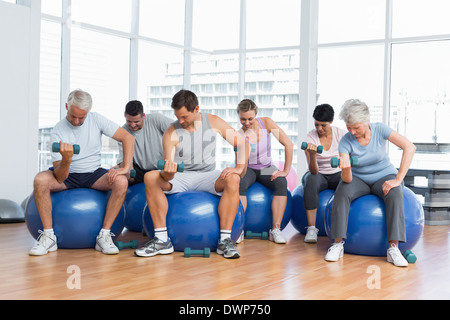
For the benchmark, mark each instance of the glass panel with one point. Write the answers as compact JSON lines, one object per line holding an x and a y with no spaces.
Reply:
{"x":351,"y":20}
{"x":53,"y":7}
{"x":163,"y":20}
{"x":419,"y":18}
{"x":160,"y":77}
{"x":113,"y":14}
{"x":49,"y":88}
{"x":420,"y":102}
{"x":213,"y":31}
{"x":351,"y":73}
{"x":273,"y":23}
{"x":100,"y":66}
{"x":272,"y":82}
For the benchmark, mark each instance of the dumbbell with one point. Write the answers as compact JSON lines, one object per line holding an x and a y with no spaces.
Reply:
{"x":205,"y":252}
{"x":122,"y":245}
{"x":410,"y":256}
{"x":260,"y":235}
{"x":305,"y":145}
{"x":56,"y":147}
{"x":335,"y":162}
{"x":161,"y":163}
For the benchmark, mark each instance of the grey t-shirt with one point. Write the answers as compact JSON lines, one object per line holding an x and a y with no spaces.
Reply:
{"x":148,"y":141}
{"x":88,"y":136}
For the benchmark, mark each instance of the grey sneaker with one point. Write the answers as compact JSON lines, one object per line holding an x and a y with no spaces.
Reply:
{"x":311,"y":235}
{"x":105,"y":244}
{"x":227,"y":248}
{"x":154,"y":247}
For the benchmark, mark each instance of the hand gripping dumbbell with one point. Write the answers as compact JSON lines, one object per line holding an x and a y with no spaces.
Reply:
{"x":161,"y":163}
{"x":305,"y":145}
{"x":122,"y":245}
{"x":56,"y":147}
{"x":335,"y":162}
{"x":205,"y":252}
{"x":410,"y":256}
{"x":260,"y":235}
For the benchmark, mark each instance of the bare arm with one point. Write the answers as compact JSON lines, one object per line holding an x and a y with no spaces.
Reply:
{"x":170,"y":141}
{"x":61,"y":167}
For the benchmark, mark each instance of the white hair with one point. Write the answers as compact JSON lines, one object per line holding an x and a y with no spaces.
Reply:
{"x":354,"y":111}
{"x":80,"y":99}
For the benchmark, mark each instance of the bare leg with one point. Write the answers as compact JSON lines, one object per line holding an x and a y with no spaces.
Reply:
{"x":278,"y":208}
{"x":118,"y":193}
{"x":311,"y":216}
{"x":44,"y":183}
{"x":156,"y":199}
{"x":243,"y":201}
{"x":229,"y":202}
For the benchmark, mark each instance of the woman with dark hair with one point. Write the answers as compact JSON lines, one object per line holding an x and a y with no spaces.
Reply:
{"x":321,"y":175}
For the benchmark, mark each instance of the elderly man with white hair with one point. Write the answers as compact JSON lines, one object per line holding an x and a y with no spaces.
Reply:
{"x":375,"y":174}
{"x":83,"y":170}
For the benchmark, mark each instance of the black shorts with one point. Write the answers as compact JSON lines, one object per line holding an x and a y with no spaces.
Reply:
{"x":83,"y":180}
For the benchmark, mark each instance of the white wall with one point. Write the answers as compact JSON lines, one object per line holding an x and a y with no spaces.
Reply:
{"x":19,"y":98}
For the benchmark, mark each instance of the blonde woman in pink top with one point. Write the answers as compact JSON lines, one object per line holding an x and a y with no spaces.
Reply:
{"x":260,"y":168}
{"x":321,"y":175}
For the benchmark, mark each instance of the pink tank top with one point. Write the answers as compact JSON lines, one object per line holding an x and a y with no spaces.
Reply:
{"x":260,"y":153}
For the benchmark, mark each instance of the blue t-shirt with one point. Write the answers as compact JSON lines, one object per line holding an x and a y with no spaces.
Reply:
{"x":88,"y":136}
{"x":373,"y":160}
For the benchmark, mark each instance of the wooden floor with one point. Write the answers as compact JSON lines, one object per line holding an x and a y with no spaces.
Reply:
{"x":265,"y":271}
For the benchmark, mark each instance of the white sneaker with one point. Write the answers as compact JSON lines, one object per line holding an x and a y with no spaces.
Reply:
{"x":105,"y":244}
{"x":335,"y":252}
{"x":311,"y":235}
{"x":276,"y":236}
{"x":46,"y":243}
{"x":395,"y":257}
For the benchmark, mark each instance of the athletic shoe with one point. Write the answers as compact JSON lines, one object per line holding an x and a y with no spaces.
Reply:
{"x":105,"y":244}
{"x":395,"y":257}
{"x":311,"y":235}
{"x":227,"y":248}
{"x":335,"y":252}
{"x":154,"y":247}
{"x":46,"y":243}
{"x":276,"y":236}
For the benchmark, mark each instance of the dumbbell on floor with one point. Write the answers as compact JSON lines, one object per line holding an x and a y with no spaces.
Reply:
{"x":189,"y":252}
{"x":305,"y":145}
{"x":260,"y":235}
{"x":410,"y":256}
{"x":335,"y":162}
{"x":133,"y":244}
{"x":56,"y":148}
{"x":161,"y":163}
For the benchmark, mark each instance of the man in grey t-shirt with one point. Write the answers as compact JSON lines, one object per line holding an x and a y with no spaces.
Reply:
{"x":148,"y":131}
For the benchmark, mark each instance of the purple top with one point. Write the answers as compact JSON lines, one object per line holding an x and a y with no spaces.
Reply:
{"x":260,"y":157}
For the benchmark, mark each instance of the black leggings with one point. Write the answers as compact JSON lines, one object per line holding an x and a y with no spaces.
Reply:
{"x":279,"y":185}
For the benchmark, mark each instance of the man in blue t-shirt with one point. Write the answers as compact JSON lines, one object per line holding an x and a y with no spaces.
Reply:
{"x":82,"y":170}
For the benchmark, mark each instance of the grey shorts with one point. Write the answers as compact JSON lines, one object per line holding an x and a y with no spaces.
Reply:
{"x":195,"y":181}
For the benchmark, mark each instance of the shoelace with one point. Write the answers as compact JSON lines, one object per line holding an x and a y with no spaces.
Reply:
{"x":44,"y":235}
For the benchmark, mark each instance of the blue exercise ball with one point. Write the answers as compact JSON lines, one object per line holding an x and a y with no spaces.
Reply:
{"x":367,"y":230}
{"x":298,"y":216}
{"x":77,"y":217}
{"x":193,"y":220}
{"x":135,"y":202}
{"x":258,"y":216}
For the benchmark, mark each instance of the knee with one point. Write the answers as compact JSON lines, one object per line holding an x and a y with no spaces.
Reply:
{"x":41,"y":181}
{"x":121,"y":184}
{"x":232,"y":182}
{"x":151,"y":178}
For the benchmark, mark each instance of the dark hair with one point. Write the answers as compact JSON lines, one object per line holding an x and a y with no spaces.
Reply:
{"x":323,"y":112}
{"x":184,"y":98}
{"x":134,"y":108}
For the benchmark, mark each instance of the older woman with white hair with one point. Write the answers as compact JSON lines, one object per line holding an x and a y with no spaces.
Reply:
{"x":375,"y":174}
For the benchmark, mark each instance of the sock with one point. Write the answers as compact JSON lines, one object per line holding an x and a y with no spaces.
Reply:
{"x":224,"y":234}
{"x":161,"y":234}
{"x":49,"y":230}
{"x":105,"y":230}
